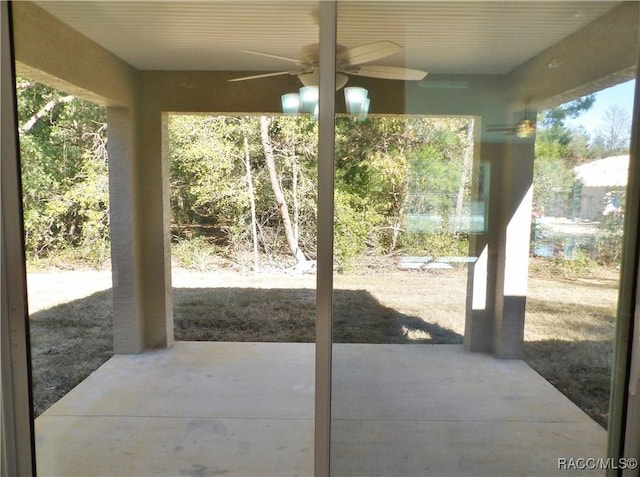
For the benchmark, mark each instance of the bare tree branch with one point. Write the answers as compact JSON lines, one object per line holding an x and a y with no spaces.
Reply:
{"x":46,"y":109}
{"x":20,"y":85}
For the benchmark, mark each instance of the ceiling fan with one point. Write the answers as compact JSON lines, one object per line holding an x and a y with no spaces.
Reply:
{"x":524,"y":128}
{"x":349,"y":61}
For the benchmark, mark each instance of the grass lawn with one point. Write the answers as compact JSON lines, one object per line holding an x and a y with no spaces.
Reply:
{"x":569,"y":332}
{"x":568,"y":335}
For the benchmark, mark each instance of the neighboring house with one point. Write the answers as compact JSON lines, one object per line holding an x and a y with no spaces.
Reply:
{"x":601,"y":184}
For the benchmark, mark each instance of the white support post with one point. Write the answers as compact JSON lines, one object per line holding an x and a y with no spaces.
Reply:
{"x":17,"y":445}
{"x":324,"y":290}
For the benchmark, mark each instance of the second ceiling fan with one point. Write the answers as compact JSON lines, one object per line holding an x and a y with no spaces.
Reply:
{"x":349,"y":61}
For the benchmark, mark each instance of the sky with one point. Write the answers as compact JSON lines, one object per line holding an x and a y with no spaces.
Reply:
{"x":621,"y":94}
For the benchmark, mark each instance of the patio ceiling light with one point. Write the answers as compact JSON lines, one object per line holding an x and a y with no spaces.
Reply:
{"x":525,"y":128}
{"x":306,"y":102}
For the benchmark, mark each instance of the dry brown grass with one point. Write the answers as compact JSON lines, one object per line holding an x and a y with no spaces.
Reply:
{"x":68,"y":342}
{"x":568,"y":335}
{"x":391,"y":308}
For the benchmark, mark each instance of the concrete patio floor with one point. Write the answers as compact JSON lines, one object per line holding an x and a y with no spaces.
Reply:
{"x":246,"y":409}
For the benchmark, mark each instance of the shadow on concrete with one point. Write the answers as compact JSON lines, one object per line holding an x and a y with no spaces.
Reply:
{"x":71,"y":340}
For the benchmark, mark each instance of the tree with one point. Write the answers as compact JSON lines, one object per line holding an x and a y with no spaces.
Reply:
{"x":385,"y":161}
{"x":64,"y":172}
{"x":556,"y":116}
{"x":281,"y":202}
{"x":252,"y":201}
{"x":250,"y":176}
{"x":208,"y":179}
{"x":614,"y":132}
{"x":553,"y":186}
{"x":467,"y":163}
{"x":558,"y":149}
{"x":222,"y":187}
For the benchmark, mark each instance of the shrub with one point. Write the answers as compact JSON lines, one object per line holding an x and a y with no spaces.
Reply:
{"x":609,"y":240}
{"x":438,"y":244}
{"x":194,"y":253}
{"x":353,"y":225}
{"x":580,"y":266}
{"x":96,"y":255}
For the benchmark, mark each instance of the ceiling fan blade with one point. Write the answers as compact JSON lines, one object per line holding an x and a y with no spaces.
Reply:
{"x":509,"y":131}
{"x":525,"y":128}
{"x":277,"y":57}
{"x":264,"y":75}
{"x":387,"y":72}
{"x":369,"y":52}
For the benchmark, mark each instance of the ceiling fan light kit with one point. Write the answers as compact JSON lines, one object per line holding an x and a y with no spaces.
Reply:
{"x":357,"y":101}
{"x":291,"y":104}
{"x":309,"y":96}
{"x":306,"y":102}
{"x":525,"y":128}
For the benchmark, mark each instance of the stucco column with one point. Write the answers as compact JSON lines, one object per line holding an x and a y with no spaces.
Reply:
{"x":497,"y":281}
{"x":140,"y":233}
{"x":128,"y":325}
{"x":512,"y":248}
{"x":481,"y":280}
{"x":155,"y":215}
{"x":478,"y":328}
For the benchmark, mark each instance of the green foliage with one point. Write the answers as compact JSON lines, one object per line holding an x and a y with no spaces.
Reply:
{"x":356,"y":141}
{"x":609,"y":242}
{"x":378,"y":162}
{"x":64,"y":174}
{"x":558,"y":150}
{"x":434,"y":180}
{"x":557,"y":191}
{"x":353,"y":227}
{"x":556,"y":116}
{"x":206,"y":170}
{"x":565,"y":255}
{"x":553,"y":186}
{"x":404,"y":166}
{"x":385,"y":168}
{"x":209,"y":183}
{"x":579,"y":266}
{"x":435,"y":244}
{"x":195,"y":253}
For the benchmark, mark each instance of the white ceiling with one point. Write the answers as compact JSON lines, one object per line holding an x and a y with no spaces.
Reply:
{"x":440,"y":37}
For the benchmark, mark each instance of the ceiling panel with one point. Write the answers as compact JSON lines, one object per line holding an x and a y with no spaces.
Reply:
{"x":440,"y":37}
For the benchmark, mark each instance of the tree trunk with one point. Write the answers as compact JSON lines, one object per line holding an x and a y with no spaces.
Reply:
{"x":252,"y":200}
{"x":397,"y":223}
{"x":281,"y":203}
{"x":44,"y":110}
{"x":296,"y":204}
{"x":467,"y":162}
